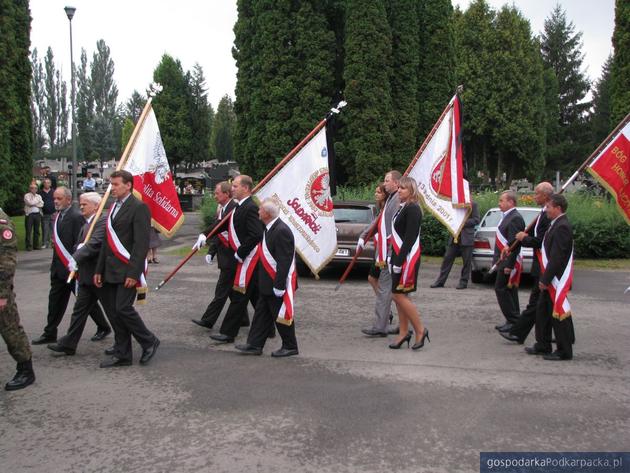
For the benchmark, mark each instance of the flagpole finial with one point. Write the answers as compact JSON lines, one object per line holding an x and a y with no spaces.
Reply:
{"x":459,"y":89}
{"x":339,"y":106}
{"x":154,"y":89}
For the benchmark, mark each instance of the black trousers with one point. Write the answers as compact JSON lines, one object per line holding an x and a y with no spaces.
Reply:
{"x":527,"y":319}
{"x":222,"y":292}
{"x":58,"y":298}
{"x":447,"y":263}
{"x":86,"y":303}
{"x":32,"y":222}
{"x":507,"y":297}
{"x":546,"y":322}
{"x":126,"y":322}
{"x":237,"y":310}
{"x":265,"y":315}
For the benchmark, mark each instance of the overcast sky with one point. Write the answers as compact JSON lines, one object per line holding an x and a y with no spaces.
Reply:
{"x":139,"y":32}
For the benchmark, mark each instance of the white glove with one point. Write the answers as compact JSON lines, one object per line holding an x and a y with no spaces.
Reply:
{"x":396,"y":269}
{"x":360,"y":244}
{"x":209,"y":259}
{"x":278,"y":292}
{"x":80,"y":245}
{"x":72,"y":265}
{"x":201,"y":240}
{"x":238,"y":258}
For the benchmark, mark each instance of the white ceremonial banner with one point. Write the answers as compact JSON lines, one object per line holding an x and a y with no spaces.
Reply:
{"x":427,"y":172}
{"x":301,"y":189}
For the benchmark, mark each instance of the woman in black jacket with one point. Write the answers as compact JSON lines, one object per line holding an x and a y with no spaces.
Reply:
{"x":405,"y":262}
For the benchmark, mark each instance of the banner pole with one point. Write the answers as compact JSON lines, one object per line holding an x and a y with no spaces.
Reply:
{"x":121,"y":164}
{"x":263,"y":181}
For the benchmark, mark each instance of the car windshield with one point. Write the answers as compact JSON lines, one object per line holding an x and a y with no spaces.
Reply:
{"x":494,"y":216}
{"x":353,"y":214}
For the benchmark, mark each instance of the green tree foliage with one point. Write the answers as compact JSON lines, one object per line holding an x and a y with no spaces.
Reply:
{"x":52,"y":99}
{"x":403,"y":20}
{"x":104,"y":88}
{"x":172,"y":109}
{"x":127,"y":131}
{"x":134,"y":107}
{"x":621,"y":62}
{"x":38,"y":103}
{"x":16,"y":140}
{"x":561,"y":51}
{"x":600,"y":120}
{"x":223,"y":129}
{"x":436,"y":67}
{"x":85,"y":108}
{"x":200,"y":116}
{"x":367,"y":133}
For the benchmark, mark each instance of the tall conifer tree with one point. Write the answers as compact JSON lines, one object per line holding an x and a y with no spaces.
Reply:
{"x":621,"y":62}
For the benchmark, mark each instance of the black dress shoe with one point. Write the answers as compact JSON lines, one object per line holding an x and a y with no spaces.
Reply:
{"x":511,"y":338}
{"x":222,"y":338}
{"x":110,"y":351}
{"x":556,"y":356}
{"x":370,"y":332}
{"x":61,"y":349}
{"x":247,"y":349}
{"x":536,"y":351}
{"x":201,"y":323}
{"x":283,"y":352}
{"x":24,"y":376}
{"x":506,"y":328}
{"x":42,"y":340}
{"x":149,"y":352}
{"x":100,"y":335}
{"x":113,"y":362}
{"x":461,"y":286}
{"x":436,"y":285}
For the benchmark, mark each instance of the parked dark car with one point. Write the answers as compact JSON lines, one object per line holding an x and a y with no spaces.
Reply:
{"x":351,"y":218}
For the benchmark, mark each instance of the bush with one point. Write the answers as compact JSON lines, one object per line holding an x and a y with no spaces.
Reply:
{"x":207,"y":211}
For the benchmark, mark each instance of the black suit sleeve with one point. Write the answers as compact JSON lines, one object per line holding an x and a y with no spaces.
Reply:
{"x":93,"y":247}
{"x":254,"y":232}
{"x":530,"y":241}
{"x":473,"y":218}
{"x":413,"y":219}
{"x":284,"y":249}
{"x":559,"y":254}
{"x":515,"y":225}
{"x":141,"y":228}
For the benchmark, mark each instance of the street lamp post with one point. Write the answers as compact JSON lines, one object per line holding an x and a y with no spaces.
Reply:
{"x":70,"y":13}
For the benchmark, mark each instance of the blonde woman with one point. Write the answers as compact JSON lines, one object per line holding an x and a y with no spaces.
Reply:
{"x":405,"y":262}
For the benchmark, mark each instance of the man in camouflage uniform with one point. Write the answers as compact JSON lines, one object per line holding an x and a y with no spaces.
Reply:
{"x":10,"y":328}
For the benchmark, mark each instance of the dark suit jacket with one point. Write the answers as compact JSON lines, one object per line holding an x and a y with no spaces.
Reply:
{"x":467,"y":235}
{"x":87,"y":256}
{"x":558,"y":247}
{"x":534,"y":239}
{"x":68,"y":232}
{"x":281,"y":244}
{"x":248,"y":227}
{"x":132,"y":224}
{"x":509,"y":227}
{"x":225,"y":255}
{"x":407,"y":225}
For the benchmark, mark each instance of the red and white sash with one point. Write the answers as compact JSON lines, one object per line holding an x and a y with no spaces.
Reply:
{"x":381,"y":241}
{"x":245,"y":269}
{"x":285,"y":315}
{"x":224,"y":235}
{"x":515,"y":275}
{"x":537,"y":250}
{"x":559,"y":288}
{"x":123,"y":255}
{"x":62,"y":252}
{"x":408,"y":268}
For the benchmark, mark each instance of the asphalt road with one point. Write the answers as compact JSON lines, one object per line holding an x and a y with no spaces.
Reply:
{"x":346,"y":404}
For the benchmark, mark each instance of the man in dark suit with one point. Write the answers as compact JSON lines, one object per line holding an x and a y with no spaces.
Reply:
{"x":120,"y":268}
{"x":276,"y":273}
{"x":531,"y":239}
{"x":66,"y":228}
{"x":463,"y":246}
{"x":219,"y":247}
{"x":554,"y":311}
{"x":507,"y":293}
{"x":84,"y":258}
{"x":247,"y":233}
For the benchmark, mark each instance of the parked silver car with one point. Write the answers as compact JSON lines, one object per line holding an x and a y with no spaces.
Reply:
{"x":485,"y":235}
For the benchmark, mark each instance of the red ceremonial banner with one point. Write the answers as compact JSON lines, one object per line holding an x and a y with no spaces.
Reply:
{"x":162,"y":200}
{"x":612,"y":169}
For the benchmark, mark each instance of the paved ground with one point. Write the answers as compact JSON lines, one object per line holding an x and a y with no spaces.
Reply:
{"x":346,"y":404}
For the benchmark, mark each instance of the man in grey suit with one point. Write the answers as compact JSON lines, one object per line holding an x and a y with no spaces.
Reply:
{"x":84,"y":258}
{"x":463,"y":246}
{"x":382,"y":307}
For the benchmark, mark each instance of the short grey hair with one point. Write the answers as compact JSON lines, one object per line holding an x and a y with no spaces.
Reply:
{"x":66,"y":192}
{"x":93,"y":197}
{"x":545,"y":188}
{"x":511,"y":195}
{"x":271,"y":207}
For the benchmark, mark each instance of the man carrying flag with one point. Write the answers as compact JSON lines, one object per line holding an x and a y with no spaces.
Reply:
{"x":556,"y":264}
{"x":120,"y":271}
{"x":277,"y":282}
{"x":244,"y":233}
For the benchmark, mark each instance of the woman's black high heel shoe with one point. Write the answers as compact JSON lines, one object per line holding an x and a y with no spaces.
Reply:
{"x":420,"y":344}
{"x":396,"y":346}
